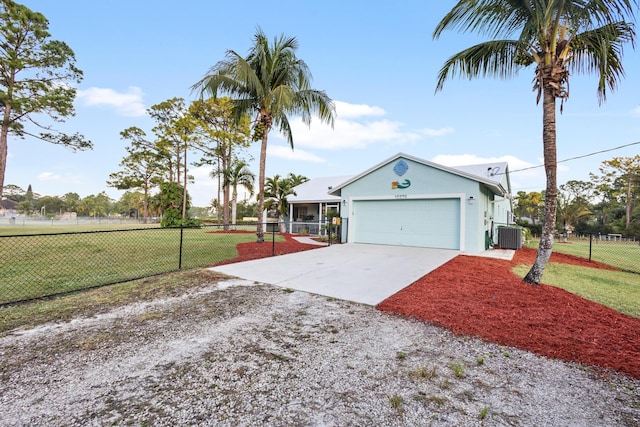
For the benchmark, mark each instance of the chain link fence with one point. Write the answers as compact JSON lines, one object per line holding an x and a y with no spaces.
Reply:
{"x":38,"y":265}
{"x":611,"y":249}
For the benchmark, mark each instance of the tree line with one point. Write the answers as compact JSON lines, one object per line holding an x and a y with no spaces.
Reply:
{"x":132,"y":204}
{"x":609,"y":203}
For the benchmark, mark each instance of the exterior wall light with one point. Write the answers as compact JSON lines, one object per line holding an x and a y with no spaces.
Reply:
{"x":471,"y":200}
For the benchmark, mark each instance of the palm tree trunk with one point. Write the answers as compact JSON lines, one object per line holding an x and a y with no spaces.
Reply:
{"x":261,"y":174}
{"x":234,"y":208}
{"x":226,"y":166}
{"x":534,"y":276}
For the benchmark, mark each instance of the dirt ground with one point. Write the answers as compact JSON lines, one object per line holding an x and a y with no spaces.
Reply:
{"x":229,"y":352}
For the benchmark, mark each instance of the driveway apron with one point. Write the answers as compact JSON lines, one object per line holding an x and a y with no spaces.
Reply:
{"x":356,"y":272}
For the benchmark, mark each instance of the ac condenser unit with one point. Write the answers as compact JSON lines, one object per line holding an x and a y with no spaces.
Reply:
{"x":510,"y":237}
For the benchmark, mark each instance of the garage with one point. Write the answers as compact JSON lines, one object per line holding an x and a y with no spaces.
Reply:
{"x":425,"y":222}
{"x":408,"y":201}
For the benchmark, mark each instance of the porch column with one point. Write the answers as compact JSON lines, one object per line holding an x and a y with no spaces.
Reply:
{"x":290,"y":218}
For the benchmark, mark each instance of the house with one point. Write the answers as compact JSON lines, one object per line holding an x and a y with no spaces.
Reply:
{"x":8,"y":208}
{"x":409,"y":201}
{"x":309,"y":207}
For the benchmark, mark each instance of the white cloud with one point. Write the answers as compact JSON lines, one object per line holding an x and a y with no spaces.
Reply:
{"x":57,"y":178}
{"x":357,"y":126}
{"x":285,"y":152}
{"x":48,"y":176}
{"x":128,"y":103}
{"x":472,"y":159}
{"x":436,"y":132}
{"x":345,"y":110}
{"x":636,"y":111}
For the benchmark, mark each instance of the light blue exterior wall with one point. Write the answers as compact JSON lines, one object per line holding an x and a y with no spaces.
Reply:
{"x":421,"y":181}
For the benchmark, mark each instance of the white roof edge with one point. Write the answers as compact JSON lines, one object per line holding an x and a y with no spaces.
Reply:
{"x":316,"y":190}
{"x":492,"y":184}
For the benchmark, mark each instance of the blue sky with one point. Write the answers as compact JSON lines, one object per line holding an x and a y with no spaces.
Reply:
{"x":376,"y":60}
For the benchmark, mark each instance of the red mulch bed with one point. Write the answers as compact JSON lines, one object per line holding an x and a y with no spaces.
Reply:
{"x":481,"y":297}
{"x":253,"y":250}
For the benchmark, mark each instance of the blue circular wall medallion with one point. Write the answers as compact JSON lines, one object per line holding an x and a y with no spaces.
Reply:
{"x":401,"y":168}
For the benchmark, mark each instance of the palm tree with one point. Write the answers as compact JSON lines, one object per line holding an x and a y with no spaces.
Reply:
{"x":558,"y":37}
{"x":238,"y":174}
{"x":271,"y":84}
{"x":277,"y":190}
{"x":297,"y":179}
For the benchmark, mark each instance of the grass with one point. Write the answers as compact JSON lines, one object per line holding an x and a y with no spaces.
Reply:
{"x":424,"y":372}
{"x":38,"y":265}
{"x":615,"y":289}
{"x":396,"y":402}
{"x":457,"y":369}
{"x":60,"y":226}
{"x":622,"y":255}
{"x":483,"y":413}
{"x":95,"y":301}
{"x":56,"y":226}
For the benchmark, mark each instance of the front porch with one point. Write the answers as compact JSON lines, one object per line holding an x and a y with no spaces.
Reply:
{"x":311,"y":218}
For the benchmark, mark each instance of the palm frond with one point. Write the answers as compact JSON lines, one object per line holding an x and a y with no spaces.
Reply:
{"x":599,"y":51}
{"x":282,"y":122}
{"x":314,"y":102}
{"x":498,"y":58}
{"x":495,"y":19}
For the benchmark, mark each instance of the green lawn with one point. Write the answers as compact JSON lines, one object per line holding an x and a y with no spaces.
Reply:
{"x":622,"y":255}
{"x":615,"y":289}
{"x":56,"y":226}
{"x":36,"y":265}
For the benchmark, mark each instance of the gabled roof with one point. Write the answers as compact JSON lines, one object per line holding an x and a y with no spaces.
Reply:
{"x":8,"y":204}
{"x":498,"y":172}
{"x":474,"y":172}
{"x":317,"y":190}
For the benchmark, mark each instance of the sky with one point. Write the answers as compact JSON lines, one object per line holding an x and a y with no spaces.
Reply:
{"x":376,"y":60}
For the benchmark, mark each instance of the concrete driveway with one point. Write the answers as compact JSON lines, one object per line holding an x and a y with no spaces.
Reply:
{"x":362,"y":273}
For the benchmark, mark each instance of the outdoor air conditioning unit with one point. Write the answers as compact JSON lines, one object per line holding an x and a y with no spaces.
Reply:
{"x":510,"y":237}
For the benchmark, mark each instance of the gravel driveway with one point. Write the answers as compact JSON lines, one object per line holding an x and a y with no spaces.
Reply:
{"x":236,"y":353}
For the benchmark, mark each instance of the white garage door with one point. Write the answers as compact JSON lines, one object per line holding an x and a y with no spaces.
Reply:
{"x":433,"y":223}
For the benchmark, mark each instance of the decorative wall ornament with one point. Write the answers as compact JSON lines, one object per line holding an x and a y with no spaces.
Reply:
{"x":400,"y":185}
{"x":401,"y":168}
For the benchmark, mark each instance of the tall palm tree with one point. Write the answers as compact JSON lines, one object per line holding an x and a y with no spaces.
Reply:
{"x":558,"y":37}
{"x":271,"y":84}
{"x":238,"y":174}
{"x":277,"y":190}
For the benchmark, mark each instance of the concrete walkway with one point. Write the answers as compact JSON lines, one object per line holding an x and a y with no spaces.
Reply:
{"x":309,"y":241}
{"x":356,"y":272}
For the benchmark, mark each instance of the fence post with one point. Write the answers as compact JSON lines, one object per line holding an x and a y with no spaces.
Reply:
{"x":180,"y":251}
{"x":273,"y":241}
{"x":590,"y":244}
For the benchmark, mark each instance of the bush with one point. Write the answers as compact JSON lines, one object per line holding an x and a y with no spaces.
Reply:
{"x":173,"y":218}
